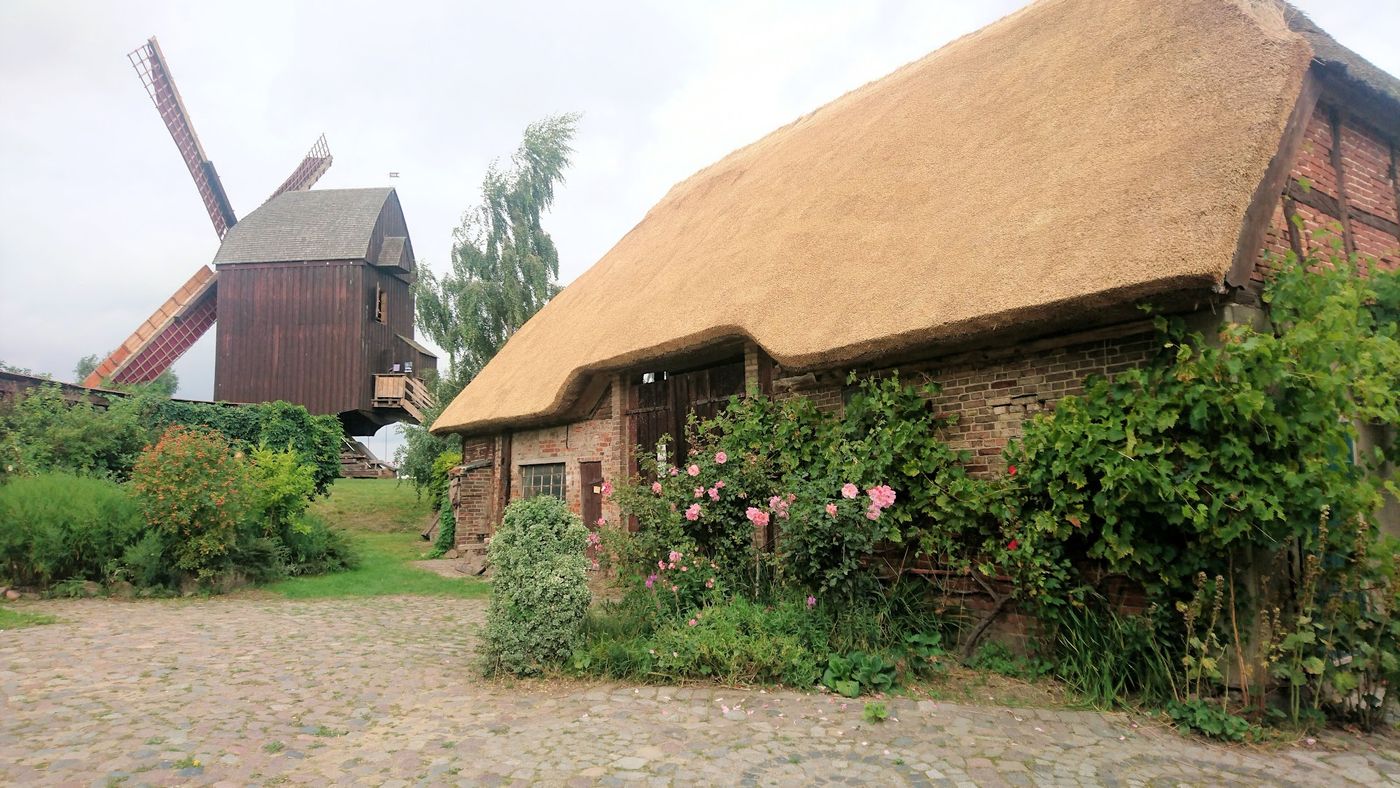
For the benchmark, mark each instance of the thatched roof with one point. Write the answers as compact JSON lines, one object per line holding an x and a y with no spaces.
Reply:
{"x":1075,"y":154}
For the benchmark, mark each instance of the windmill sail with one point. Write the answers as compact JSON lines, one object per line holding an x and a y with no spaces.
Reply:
{"x":312,"y":167}
{"x":165,"y":336}
{"x":150,"y":65}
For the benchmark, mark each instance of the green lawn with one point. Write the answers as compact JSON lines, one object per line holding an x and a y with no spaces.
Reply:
{"x":13,"y":619}
{"x":384,"y":518}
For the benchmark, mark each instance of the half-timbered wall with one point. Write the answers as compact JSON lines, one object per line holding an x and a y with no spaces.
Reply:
{"x":1342,"y":185}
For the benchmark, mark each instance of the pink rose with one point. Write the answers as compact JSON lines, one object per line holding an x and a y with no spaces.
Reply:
{"x":693,"y":470}
{"x":690,"y":623}
{"x":719,"y":485}
{"x":693,"y":513}
{"x":699,"y":491}
{"x":656,"y":487}
{"x":757,"y":516}
{"x":674,"y":471}
{"x":873,"y":513}
{"x":675,"y":556}
{"x":881,"y":497}
{"x":721,"y":458}
{"x":710,"y":583}
{"x":607,"y":489}
{"x":849,"y":490}
{"x":831,"y":509}
{"x":714,"y":493}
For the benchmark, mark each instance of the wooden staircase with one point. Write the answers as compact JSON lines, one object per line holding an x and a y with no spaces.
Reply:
{"x":358,"y":462}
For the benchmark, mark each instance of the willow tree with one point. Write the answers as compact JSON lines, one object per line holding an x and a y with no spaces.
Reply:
{"x":505,"y":267}
{"x":504,"y":264}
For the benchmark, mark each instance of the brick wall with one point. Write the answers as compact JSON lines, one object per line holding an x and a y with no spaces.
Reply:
{"x":599,"y":438}
{"x":1368,"y":162}
{"x":471,"y":488}
{"x":992,"y":393}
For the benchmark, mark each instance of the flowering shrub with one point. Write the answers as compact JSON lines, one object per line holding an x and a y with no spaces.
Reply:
{"x":540,"y":592}
{"x":703,"y":504}
{"x":682,"y":584}
{"x":193,"y":491}
{"x":827,"y":490}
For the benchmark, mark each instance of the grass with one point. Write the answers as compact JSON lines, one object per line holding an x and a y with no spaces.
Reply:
{"x":14,"y":619}
{"x":384,"y":519}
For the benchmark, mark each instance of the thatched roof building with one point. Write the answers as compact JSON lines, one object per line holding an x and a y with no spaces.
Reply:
{"x":1047,"y":171}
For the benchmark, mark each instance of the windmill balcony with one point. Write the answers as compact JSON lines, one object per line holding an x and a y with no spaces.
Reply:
{"x":403,"y":392}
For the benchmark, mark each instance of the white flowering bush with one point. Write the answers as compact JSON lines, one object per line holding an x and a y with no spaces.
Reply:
{"x":540,"y":592}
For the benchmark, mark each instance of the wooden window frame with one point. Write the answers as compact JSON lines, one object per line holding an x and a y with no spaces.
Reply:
{"x":534,"y":482}
{"x":381,"y":304}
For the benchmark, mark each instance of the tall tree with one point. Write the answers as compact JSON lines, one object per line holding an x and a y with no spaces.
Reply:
{"x":504,"y":269}
{"x":504,"y":264}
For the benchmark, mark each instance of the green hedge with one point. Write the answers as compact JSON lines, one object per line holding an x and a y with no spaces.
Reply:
{"x":57,"y":526}
{"x":278,"y":425}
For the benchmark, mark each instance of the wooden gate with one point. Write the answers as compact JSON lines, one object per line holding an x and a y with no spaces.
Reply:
{"x":660,"y":402}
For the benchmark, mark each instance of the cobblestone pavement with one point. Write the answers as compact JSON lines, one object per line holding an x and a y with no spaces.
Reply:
{"x":380,"y":692}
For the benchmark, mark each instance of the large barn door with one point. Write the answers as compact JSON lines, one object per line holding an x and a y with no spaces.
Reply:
{"x":703,"y":392}
{"x":660,"y":402}
{"x":649,"y":416}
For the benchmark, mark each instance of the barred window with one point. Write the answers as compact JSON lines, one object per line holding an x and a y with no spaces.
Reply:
{"x":542,"y":480}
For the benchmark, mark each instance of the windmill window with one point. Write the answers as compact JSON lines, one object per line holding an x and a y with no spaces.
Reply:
{"x":381,"y":304}
{"x":545,"y":479}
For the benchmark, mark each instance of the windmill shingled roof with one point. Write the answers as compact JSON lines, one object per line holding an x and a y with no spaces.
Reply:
{"x":323,"y":224}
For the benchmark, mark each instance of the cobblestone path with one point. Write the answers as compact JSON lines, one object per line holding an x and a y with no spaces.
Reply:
{"x":380,"y":692}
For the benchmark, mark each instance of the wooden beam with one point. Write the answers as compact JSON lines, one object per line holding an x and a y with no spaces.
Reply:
{"x":1333,"y":207}
{"x":1395,"y":178}
{"x":1334,"y":119}
{"x":1261,"y":205}
{"x":1290,"y":216}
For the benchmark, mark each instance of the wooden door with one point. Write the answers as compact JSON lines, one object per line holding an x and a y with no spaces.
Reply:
{"x":591,"y":481}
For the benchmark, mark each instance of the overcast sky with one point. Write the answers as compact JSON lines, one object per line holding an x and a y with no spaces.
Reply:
{"x":99,"y":221}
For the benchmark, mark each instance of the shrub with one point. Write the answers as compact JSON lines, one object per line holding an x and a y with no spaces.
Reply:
{"x":447,"y":530}
{"x":1217,"y":448}
{"x":734,"y":641}
{"x":317,"y":440}
{"x":44,"y":432}
{"x":56,"y":527}
{"x":742,"y":642}
{"x":442,"y":465}
{"x":310,"y":547}
{"x":280,"y":487}
{"x":193,"y":491}
{"x":784,"y":466}
{"x":540,"y":591}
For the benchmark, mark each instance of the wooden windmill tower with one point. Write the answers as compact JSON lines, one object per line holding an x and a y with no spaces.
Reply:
{"x":311,"y":291}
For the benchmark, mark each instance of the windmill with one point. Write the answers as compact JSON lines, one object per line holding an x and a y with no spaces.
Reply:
{"x":316,"y":307}
{"x":191,"y":311}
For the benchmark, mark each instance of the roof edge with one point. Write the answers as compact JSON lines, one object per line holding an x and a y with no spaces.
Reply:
{"x":1024,"y":323}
